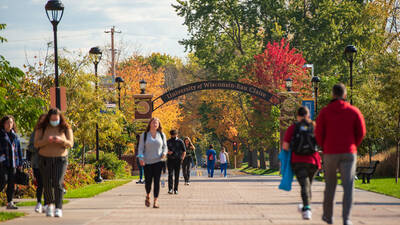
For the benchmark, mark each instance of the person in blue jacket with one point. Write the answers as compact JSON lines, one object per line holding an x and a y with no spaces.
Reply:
{"x":10,"y":157}
{"x":211,"y":156}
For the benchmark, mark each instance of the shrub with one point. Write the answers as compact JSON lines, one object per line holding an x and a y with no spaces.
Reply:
{"x":78,"y":175}
{"x":110,"y":161}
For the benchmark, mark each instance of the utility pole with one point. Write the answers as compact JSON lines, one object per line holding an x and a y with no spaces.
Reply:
{"x":112,"y":31}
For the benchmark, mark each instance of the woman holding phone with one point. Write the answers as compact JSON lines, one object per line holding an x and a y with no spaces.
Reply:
{"x":53,"y":138}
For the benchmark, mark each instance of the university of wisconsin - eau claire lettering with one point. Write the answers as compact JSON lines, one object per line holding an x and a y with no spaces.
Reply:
{"x":198,"y":86}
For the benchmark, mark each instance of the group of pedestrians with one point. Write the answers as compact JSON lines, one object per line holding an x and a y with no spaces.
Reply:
{"x":155,"y":153}
{"x":339,"y":129}
{"x":211,"y":155}
{"x":49,"y":144}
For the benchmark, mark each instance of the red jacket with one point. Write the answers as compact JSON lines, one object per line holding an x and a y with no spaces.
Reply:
{"x":340,"y":128}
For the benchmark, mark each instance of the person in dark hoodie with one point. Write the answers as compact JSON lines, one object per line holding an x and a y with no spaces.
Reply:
{"x":10,"y":157}
{"x":340,"y":129}
{"x":176,"y":155}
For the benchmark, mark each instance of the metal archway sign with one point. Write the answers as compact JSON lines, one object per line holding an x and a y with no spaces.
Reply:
{"x":217,"y":84}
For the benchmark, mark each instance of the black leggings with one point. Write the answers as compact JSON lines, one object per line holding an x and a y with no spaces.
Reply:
{"x":39,"y":181}
{"x":53,"y":170}
{"x":186,"y":168}
{"x":153,"y":171}
{"x":305,"y":173}
{"x":10,"y":183}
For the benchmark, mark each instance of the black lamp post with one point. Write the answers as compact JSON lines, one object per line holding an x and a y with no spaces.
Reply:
{"x":315,"y":83}
{"x":119,"y":80}
{"x":142,"y":85}
{"x":54,"y":12}
{"x":95,"y":55}
{"x":288,"y":84}
{"x":350,"y":53}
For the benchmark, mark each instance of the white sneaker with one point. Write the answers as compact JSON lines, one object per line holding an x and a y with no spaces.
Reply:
{"x":39,"y":208}
{"x":307,"y":214}
{"x":300,"y":208}
{"x":44,"y":208}
{"x":50,"y":211}
{"x":58,"y":213}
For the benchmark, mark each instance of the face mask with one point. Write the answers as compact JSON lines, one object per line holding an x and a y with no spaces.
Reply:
{"x":54,"y":123}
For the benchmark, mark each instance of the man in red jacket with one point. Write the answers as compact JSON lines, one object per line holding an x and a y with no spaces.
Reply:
{"x":340,"y":129}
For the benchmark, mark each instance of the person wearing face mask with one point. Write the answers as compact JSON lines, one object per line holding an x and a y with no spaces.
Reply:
{"x":53,"y":138}
{"x":10,"y":157}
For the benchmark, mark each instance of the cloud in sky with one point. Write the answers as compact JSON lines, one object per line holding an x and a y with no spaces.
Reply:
{"x":151,"y":24}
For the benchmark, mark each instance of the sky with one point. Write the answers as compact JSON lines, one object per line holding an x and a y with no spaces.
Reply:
{"x":146,"y":26}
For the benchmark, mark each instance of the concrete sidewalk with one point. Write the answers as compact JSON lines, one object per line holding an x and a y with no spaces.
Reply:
{"x":239,"y":199}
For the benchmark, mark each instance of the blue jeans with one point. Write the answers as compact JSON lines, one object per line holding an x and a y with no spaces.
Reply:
{"x":140,"y":168}
{"x":210,"y":167}
{"x":224,"y":166}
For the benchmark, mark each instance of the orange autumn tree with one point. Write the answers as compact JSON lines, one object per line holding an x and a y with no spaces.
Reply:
{"x":134,"y":70}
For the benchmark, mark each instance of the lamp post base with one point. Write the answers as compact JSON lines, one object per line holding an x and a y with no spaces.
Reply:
{"x":98,"y":177}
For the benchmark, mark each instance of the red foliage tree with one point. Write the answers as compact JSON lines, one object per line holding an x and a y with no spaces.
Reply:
{"x":277,"y":63}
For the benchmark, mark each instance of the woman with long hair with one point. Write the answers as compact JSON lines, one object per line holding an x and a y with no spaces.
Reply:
{"x":223,"y":160}
{"x":190,"y":158}
{"x":152,"y":153}
{"x":10,"y":157}
{"x":34,"y":158}
{"x":304,"y":166}
{"x":53,"y":138}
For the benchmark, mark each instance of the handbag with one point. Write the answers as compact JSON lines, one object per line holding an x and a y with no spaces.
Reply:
{"x":21,"y":178}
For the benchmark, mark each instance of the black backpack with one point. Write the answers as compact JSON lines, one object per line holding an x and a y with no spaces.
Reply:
{"x":303,"y":139}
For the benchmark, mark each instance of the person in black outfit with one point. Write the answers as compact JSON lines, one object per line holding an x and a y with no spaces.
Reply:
{"x":176,"y":154}
{"x":10,"y":157}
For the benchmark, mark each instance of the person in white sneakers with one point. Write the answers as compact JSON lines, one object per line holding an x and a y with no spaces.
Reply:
{"x":53,"y":138}
{"x":223,"y":160}
{"x":34,"y":158}
{"x":305,"y":160}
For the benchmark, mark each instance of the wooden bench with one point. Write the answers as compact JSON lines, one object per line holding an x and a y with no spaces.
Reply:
{"x":367,"y":171}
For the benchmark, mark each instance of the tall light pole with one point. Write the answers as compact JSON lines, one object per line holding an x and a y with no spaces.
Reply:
{"x":54,"y":12}
{"x":315,"y":83}
{"x":119,"y":80}
{"x":95,"y":55}
{"x":350,"y":53}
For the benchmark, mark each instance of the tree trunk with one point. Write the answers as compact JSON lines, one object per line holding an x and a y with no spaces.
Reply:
{"x":83,"y":154}
{"x":397,"y":161}
{"x":273,"y":159}
{"x":255,"y":159}
{"x":249,"y":158}
{"x":262,"y":159}
{"x":398,"y":153}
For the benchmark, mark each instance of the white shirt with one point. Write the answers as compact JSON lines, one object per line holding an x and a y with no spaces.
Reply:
{"x":222,"y":157}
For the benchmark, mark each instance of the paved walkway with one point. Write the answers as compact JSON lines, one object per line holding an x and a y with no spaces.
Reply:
{"x":237,"y":200}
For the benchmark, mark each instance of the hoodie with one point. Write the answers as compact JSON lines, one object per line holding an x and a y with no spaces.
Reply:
{"x":340,"y":128}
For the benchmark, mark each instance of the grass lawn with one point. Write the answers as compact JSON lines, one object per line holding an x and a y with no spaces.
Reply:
{"x":33,"y":203}
{"x":10,"y":215}
{"x":95,"y":189}
{"x":386,"y":186}
{"x":257,"y":171}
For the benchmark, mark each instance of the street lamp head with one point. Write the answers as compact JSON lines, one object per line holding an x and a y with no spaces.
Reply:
{"x":350,"y":53}
{"x":54,"y":11}
{"x":95,"y":54}
{"x":288,"y":84}
{"x":119,"y":80}
{"x":315,"y":81}
{"x":142,"y":85}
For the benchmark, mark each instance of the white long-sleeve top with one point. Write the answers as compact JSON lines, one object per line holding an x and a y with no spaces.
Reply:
{"x":222,"y":157}
{"x":154,"y":148}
